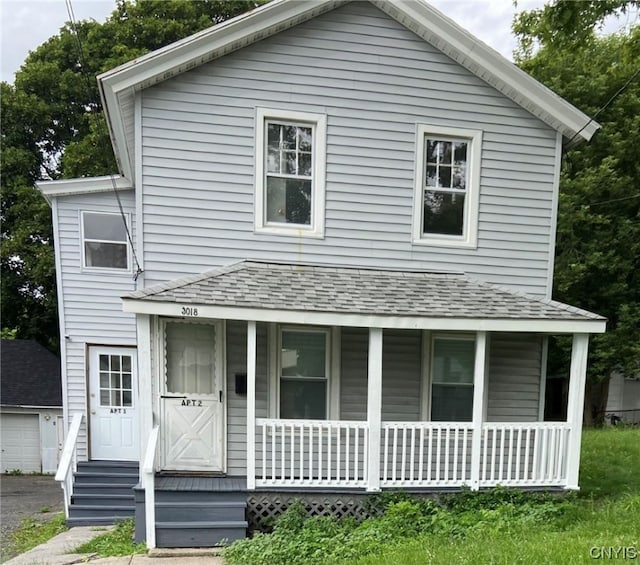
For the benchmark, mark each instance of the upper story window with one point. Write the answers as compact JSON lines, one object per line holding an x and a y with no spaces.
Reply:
{"x":290,"y":171}
{"x":104,"y":241}
{"x":447,"y":187}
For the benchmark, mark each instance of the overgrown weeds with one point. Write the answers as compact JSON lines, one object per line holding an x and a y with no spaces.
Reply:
{"x":116,"y":542}
{"x":498,"y":526}
{"x":32,"y":532}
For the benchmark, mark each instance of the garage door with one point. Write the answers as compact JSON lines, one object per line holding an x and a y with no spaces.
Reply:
{"x":20,"y":441}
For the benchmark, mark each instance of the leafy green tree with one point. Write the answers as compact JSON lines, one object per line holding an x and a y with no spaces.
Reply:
{"x":598,"y":239}
{"x":53,"y":127}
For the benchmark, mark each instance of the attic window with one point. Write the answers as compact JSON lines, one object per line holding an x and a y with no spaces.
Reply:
{"x":104,"y":241}
{"x":447,"y":186}
{"x":290,"y":156}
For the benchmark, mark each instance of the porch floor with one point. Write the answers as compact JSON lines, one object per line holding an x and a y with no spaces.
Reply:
{"x":184,"y":483}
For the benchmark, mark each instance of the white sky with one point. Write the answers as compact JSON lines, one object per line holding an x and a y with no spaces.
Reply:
{"x":25,"y":24}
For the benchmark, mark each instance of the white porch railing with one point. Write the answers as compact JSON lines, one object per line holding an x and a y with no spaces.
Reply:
{"x":148,"y":482}
{"x":316,"y":453}
{"x":69,"y":461}
{"x":529,"y":454}
{"x":311,"y":453}
{"x":418,"y":454}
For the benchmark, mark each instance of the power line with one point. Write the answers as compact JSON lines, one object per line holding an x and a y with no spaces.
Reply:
{"x":607,"y":104}
{"x":102,"y":131}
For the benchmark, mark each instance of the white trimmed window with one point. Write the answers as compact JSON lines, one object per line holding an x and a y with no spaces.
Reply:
{"x":303,"y":367}
{"x":104,"y":241}
{"x":452,"y":364}
{"x":447,"y":187}
{"x":290,"y":173}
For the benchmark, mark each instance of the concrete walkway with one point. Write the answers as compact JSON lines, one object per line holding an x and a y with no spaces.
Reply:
{"x":57,"y":551}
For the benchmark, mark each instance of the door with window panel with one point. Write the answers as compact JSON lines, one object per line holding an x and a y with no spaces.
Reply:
{"x":192,"y":398}
{"x":113,"y":398}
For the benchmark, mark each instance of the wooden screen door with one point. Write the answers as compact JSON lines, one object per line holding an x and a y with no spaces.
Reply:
{"x":192,"y":399}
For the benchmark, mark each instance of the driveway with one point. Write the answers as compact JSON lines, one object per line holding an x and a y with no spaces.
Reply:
{"x":38,"y":496}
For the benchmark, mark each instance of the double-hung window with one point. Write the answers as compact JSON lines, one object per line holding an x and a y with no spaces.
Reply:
{"x":104,"y":241}
{"x":290,"y":165}
{"x":303,"y":367}
{"x":447,"y":186}
{"x":452,"y":364}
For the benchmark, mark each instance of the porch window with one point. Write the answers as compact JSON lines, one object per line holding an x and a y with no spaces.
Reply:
{"x":290,"y":173}
{"x":303,"y":374}
{"x":452,"y":379}
{"x":104,"y":241}
{"x":447,"y":179}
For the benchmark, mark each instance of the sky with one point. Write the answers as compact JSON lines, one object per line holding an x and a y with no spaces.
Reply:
{"x":25,"y":24}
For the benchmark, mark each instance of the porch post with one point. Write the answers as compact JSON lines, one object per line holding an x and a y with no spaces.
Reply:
{"x":575,"y":406}
{"x":145,"y":386}
{"x":251,"y":405}
{"x":374,"y":408}
{"x":479,"y":382}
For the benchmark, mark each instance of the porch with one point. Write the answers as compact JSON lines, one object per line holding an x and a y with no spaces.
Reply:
{"x":313,"y":379}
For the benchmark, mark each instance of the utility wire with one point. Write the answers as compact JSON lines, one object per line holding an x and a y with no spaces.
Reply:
{"x":607,"y":104}
{"x":102,"y":130}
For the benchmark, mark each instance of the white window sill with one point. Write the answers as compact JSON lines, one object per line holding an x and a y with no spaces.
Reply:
{"x":293,"y":231}
{"x":444,"y":242}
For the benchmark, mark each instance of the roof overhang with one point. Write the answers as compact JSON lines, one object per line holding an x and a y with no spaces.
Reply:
{"x":119,"y":86}
{"x":69,"y":187}
{"x":173,"y":309}
{"x":325,"y":295}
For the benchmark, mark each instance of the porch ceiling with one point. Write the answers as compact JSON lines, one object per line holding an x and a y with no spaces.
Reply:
{"x":294,"y":293}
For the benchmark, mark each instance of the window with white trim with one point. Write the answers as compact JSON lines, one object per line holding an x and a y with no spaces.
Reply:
{"x":290,"y":165}
{"x":447,"y":186}
{"x":104,"y":241}
{"x":303,"y":373}
{"x":452,"y":365}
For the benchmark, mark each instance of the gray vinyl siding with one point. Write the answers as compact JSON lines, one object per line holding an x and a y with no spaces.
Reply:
{"x":353,"y":373}
{"x":401,"y":375}
{"x":514,"y":378}
{"x":92,"y":306}
{"x":236,"y":403}
{"x":374,"y":80}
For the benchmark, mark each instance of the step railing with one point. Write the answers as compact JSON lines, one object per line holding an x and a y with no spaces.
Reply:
{"x":148,"y":482}
{"x":311,"y":453}
{"x":69,"y":461}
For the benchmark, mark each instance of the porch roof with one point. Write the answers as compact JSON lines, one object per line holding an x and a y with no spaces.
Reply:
{"x":358,"y":297}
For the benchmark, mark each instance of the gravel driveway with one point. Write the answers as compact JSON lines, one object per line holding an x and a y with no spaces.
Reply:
{"x":23,"y":496}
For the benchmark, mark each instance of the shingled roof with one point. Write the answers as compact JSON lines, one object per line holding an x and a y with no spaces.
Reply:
{"x":276,"y":286}
{"x":30,"y":374}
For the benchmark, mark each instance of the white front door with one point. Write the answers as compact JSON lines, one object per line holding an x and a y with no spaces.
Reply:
{"x":113,"y":398}
{"x":192,"y":400}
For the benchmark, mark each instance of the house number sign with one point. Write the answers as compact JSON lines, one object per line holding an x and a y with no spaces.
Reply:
{"x":190,"y":311}
{"x":118,"y":411}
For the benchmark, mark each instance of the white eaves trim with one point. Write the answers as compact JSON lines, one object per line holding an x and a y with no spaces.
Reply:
{"x":118,"y":86}
{"x":197,"y":311}
{"x":489,"y":65}
{"x":65,"y":187}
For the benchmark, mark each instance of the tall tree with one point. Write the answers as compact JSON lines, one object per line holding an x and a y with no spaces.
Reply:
{"x":53,"y":127}
{"x":598,"y":239}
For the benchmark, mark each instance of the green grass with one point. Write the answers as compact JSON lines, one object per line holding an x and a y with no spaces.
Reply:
{"x":32,"y":532}
{"x":606,"y":513}
{"x":115,"y":543}
{"x":499,"y":527}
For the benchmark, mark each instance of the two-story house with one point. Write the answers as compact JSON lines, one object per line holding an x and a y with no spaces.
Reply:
{"x":324,"y":270}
